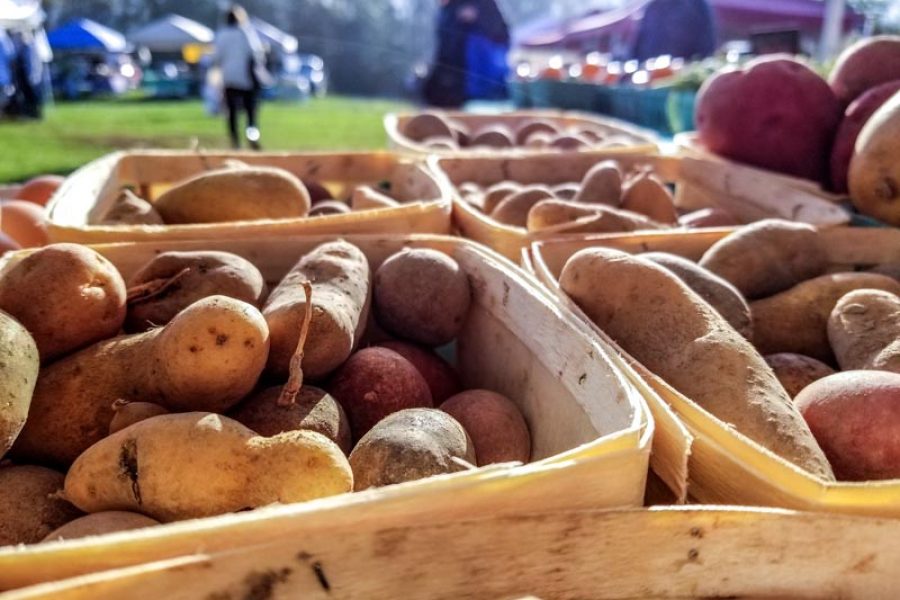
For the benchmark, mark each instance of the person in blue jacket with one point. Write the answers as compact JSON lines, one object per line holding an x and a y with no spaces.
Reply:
{"x":679,"y":28}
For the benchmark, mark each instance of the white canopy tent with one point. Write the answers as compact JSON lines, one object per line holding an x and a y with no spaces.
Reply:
{"x":21,"y":14}
{"x":171,"y":34}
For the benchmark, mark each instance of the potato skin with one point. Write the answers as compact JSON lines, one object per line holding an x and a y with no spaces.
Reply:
{"x":602,"y":184}
{"x":376,"y":382}
{"x":575,"y":217}
{"x":796,"y":320}
{"x":427,"y":125}
{"x":767,"y":257}
{"x":796,"y":371}
{"x":513,"y":210}
{"x":210,"y":274}
{"x":442,"y":379}
{"x":67,"y":296}
{"x":497,"y":428}
{"x":314,"y":410}
{"x":18,"y":376}
{"x":208,"y":357}
{"x":864,"y":331}
{"x":408,"y":445}
{"x":855,"y":416}
{"x":341,"y":280}
{"x":29,"y":505}
{"x":130,"y":413}
{"x":662,"y":323}
{"x":153,"y":467}
{"x":720,"y":294}
{"x":230,"y":194}
{"x":422,"y":295}
{"x":130,"y":209}
{"x":647,"y":195}
{"x":497,"y":193}
{"x":99,"y":524}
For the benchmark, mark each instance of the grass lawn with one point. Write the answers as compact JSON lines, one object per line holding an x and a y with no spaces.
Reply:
{"x":72,"y":134}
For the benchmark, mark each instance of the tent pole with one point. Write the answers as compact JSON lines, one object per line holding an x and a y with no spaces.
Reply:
{"x":832,"y":29}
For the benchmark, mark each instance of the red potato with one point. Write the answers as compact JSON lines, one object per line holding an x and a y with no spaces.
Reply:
{"x":787,"y":118}
{"x":864,"y":65}
{"x":855,"y":417}
{"x":442,"y":379}
{"x":855,"y":117}
{"x":375,"y":383}
{"x":796,"y":371}
{"x":495,"y":424}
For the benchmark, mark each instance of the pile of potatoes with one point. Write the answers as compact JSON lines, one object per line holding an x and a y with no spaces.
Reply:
{"x":608,"y":199}
{"x":756,"y":333}
{"x":437,"y":131}
{"x":194,"y":390}
{"x":241,"y":192}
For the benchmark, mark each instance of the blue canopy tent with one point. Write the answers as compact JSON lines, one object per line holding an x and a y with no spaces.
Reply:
{"x":84,"y":34}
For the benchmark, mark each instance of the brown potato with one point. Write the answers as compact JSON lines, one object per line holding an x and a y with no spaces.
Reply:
{"x":767,"y":257}
{"x":796,"y":371}
{"x":30,"y":504}
{"x":209,"y":357}
{"x":570,"y":141}
{"x":442,"y":379}
{"x":561,"y":216}
{"x":129,"y":209}
{"x":864,"y":331}
{"x":313,"y":410}
{"x":408,"y":445}
{"x":340,"y":278}
{"x":647,"y":195}
{"x":493,"y":136}
{"x":796,"y":320}
{"x":497,"y":193}
{"x":513,"y":210}
{"x":427,"y":125}
{"x":602,"y":184}
{"x":329,"y":207}
{"x":67,"y":296}
{"x":566,"y":191}
{"x":129,"y":413}
{"x":421,"y":295}
{"x":18,"y":375}
{"x":99,"y":524}
{"x":495,"y":425}
{"x":662,"y":323}
{"x":209,"y":274}
{"x":720,"y":294}
{"x":527,"y":130}
{"x":229,"y":194}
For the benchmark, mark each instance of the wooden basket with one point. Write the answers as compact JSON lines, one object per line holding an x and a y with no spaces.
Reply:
{"x":639,"y":140}
{"x":89,"y":192}
{"x":9,"y":192}
{"x":725,"y":466}
{"x":744,"y":192}
{"x":591,"y":431}
{"x":691,"y":552}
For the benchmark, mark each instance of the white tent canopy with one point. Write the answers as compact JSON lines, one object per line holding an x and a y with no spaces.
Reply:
{"x":270,"y":35}
{"x":170,"y":34}
{"x":20,"y":14}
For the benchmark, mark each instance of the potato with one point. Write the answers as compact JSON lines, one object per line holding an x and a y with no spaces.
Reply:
{"x":540,"y":140}
{"x":494,"y":423}
{"x":129,"y":413}
{"x":376,"y":382}
{"x":201,"y":464}
{"x":67,"y":296}
{"x":855,"y":416}
{"x":796,"y":371}
{"x":461,"y":132}
{"x":864,"y":331}
{"x":207,"y":358}
{"x":30,"y":504}
{"x":493,"y":136}
{"x":408,"y":445}
{"x":129,"y":209}
{"x":313,"y":410}
{"x":99,"y":524}
{"x":427,"y":125}
{"x":526,"y":130}
{"x":209,"y":274}
{"x":720,"y":294}
{"x":442,"y":379}
{"x":317,"y":192}
{"x":892,"y":270}
{"x":441,"y":143}
{"x":874,"y":174}
{"x":340,"y":278}
{"x":229,"y":194}
{"x":570,"y":141}
{"x":796,"y":320}
{"x":497,"y":193}
{"x":602,"y":184}
{"x":18,"y":375}
{"x":708,"y":217}
{"x":421,"y":295}
{"x":566,"y":191}
{"x":513,"y":210}
{"x":662,"y":323}
{"x":365,"y":197}
{"x":647,"y":195}
{"x":767,"y":257}
{"x":329,"y":207}
{"x":585,"y":218}
{"x":869,"y":62}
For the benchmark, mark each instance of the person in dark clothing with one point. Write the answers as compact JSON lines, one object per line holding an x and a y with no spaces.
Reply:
{"x":680,"y":28}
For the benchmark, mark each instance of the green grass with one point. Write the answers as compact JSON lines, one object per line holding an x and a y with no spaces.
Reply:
{"x":72,"y":134}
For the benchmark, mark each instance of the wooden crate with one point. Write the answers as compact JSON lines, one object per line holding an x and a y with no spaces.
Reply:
{"x":89,"y":192}
{"x":638,"y":140}
{"x":691,"y":552}
{"x":747,"y":193}
{"x":591,"y":431}
{"x":725,"y":466}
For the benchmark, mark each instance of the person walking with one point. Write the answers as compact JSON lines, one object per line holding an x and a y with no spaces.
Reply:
{"x":240,"y":56}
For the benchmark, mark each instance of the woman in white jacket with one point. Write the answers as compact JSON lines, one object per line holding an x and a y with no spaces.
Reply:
{"x":241,"y":58}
